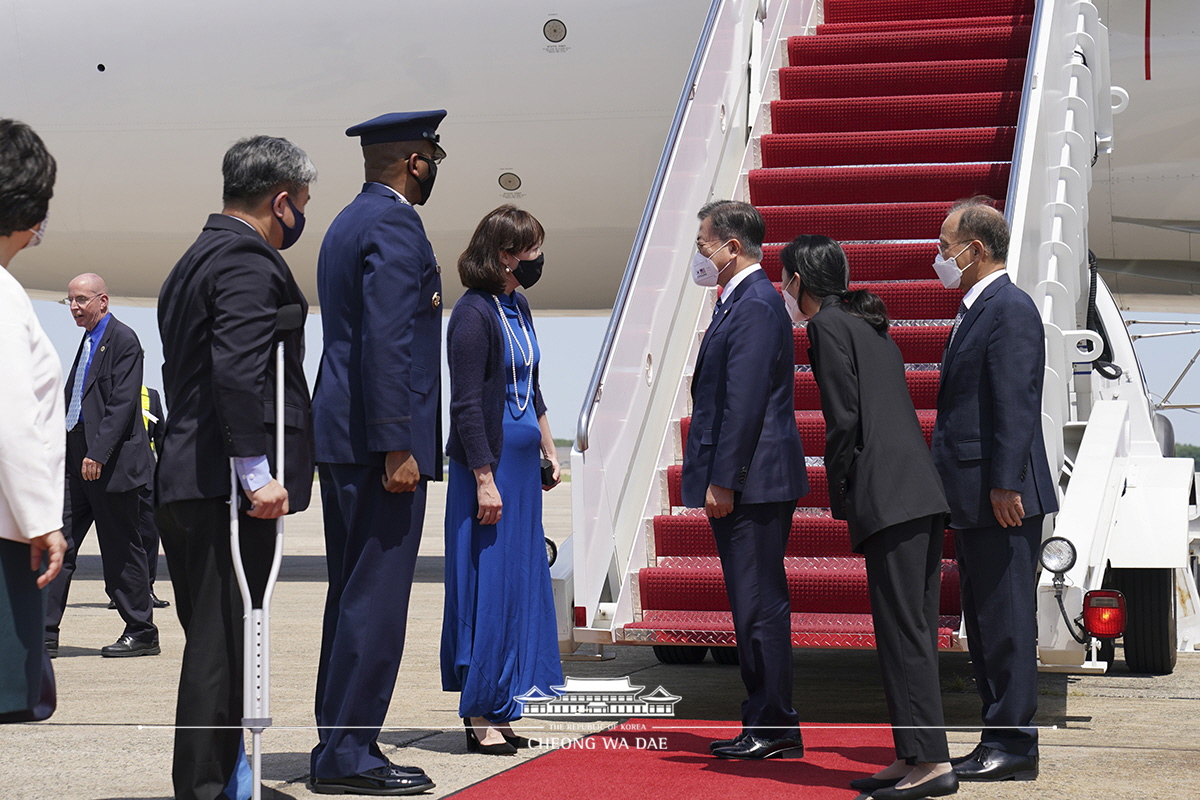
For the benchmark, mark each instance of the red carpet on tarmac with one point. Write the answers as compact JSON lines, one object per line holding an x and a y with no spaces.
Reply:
{"x":667,"y":759}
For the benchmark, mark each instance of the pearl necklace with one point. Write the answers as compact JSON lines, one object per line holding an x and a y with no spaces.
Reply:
{"x":526,"y":359}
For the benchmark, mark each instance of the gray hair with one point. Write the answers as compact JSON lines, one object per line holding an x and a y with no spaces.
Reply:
{"x":733,"y":220}
{"x":981,"y":220}
{"x":260,"y":166}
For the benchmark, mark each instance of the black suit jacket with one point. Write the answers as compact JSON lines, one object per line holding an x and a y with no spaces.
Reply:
{"x":112,"y":408}
{"x":989,"y":424}
{"x":217,"y":314}
{"x":743,"y":435}
{"x":879,"y":468}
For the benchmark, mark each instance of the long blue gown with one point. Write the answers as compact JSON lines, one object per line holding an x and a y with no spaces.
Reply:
{"x":499,"y":636}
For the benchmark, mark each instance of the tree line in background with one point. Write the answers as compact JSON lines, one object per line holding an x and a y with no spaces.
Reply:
{"x":1191,"y":451}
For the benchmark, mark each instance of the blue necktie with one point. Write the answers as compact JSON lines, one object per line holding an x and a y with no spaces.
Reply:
{"x":77,"y":388}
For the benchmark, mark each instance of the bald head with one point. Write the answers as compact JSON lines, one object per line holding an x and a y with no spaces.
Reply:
{"x":87,"y":297}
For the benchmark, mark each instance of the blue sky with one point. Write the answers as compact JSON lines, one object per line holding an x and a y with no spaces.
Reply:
{"x":570,"y":344}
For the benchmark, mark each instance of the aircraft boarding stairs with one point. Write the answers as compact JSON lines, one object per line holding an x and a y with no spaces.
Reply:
{"x":892,"y":111}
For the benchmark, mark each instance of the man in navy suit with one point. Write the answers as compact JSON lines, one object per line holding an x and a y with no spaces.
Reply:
{"x":108,"y":465}
{"x":218,"y":314}
{"x":378,"y":433}
{"x":988,"y":448}
{"x":744,"y":465}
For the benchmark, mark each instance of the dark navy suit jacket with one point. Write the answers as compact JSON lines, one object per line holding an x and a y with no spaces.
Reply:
{"x":379,"y":385}
{"x":217,"y":313}
{"x":989,"y":428}
{"x":743,"y":434}
{"x":112,"y":409}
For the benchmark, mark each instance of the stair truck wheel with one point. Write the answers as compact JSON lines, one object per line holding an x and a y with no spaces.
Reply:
{"x":1150,"y":619}
{"x":679,"y":653}
{"x":725,"y":655}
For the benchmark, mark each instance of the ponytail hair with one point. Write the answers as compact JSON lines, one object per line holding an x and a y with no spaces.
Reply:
{"x":820,"y":265}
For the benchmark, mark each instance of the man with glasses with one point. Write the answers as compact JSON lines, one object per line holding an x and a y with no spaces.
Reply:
{"x":377,"y":414}
{"x":988,"y":448}
{"x":108,"y":465}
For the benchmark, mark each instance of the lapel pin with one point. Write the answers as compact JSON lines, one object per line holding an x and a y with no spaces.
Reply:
{"x":437,"y":300}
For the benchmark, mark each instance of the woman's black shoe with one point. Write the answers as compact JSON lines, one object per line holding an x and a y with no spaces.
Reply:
{"x":474,"y":746}
{"x":872,"y":784}
{"x":520,"y":742}
{"x":940,"y":786}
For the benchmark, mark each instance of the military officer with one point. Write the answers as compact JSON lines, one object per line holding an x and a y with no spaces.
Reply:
{"x":378,"y":435}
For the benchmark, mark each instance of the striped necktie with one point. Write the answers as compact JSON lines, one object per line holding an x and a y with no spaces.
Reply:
{"x":76,"y":405}
{"x":962,"y":311}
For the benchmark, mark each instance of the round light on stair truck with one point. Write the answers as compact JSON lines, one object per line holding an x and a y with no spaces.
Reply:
{"x":1058,"y":555}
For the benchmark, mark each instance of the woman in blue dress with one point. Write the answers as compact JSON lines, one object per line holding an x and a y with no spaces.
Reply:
{"x":499,"y":635}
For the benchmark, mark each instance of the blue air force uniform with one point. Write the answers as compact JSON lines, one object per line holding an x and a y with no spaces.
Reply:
{"x":378,"y":390}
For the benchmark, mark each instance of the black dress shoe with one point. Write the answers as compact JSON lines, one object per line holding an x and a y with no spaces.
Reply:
{"x":954,"y":762}
{"x":721,"y":743}
{"x":387,"y":780}
{"x":112,"y":605}
{"x":128,"y":646}
{"x":991,"y":764}
{"x":940,"y":786}
{"x":52,"y":648}
{"x":505,"y":748}
{"x":520,"y":742}
{"x":752,"y":747}
{"x":158,"y":603}
{"x":871,"y":784}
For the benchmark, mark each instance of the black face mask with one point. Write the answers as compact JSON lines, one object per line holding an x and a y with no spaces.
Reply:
{"x":426,"y":183}
{"x":291,"y":235}
{"x":528,"y":273}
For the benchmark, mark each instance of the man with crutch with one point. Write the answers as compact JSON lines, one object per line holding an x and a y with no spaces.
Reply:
{"x":218,"y":314}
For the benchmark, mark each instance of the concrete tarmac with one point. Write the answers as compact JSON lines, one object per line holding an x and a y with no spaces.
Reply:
{"x":1116,"y":735}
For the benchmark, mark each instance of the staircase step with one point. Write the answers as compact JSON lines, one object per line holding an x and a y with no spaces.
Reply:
{"x":933,"y":146}
{"x":815,"y":585}
{"x":864,"y":223}
{"x":808,"y":630}
{"x":922,"y":387}
{"x":872,"y":10}
{"x":817,"y":497}
{"x":919,"y":344}
{"x":970,"y":109}
{"x":1018,"y":20}
{"x":904,"y":183}
{"x":874,"y":261}
{"x":900,"y":78}
{"x":924,"y":44}
{"x":811,"y":425}
{"x":814,"y":534}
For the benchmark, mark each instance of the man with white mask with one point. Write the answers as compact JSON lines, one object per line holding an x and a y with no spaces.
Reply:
{"x":744,"y":464}
{"x":988,"y":449}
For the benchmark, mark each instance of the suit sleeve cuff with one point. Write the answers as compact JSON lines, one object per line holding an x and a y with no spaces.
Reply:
{"x":253,"y":472}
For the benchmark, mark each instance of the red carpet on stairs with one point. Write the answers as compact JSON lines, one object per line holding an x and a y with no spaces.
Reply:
{"x":668,"y":759}
{"x":886,"y":116}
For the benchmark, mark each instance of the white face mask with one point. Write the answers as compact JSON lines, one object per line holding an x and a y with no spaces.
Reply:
{"x":704,"y":271}
{"x":792,"y":305}
{"x":948,"y":270}
{"x":39,"y":233}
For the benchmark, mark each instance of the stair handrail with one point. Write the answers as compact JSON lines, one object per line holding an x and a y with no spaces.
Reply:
{"x":592,"y":396}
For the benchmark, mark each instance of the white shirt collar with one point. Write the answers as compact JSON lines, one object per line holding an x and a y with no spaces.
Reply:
{"x":247,"y":224}
{"x":399,"y":196}
{"x":736,"y":279}
{"x":973,"y":293}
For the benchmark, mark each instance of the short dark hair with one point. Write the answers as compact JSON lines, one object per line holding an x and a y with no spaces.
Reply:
{"x":257,"y":167}
{"x":27,"y":172}
{"x":821,"y":265}
{"x":733,"y":220}
{"x":507,"y":229}
{"x":983,"y":221}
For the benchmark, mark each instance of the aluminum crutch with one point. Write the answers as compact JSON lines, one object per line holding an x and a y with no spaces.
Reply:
{"x":256,"y":628}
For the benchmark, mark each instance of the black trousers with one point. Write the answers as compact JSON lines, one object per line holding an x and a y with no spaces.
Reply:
{"x":121,"y":552}
{"x":751,"y":542}
{"x":148,"y":528}
{"x":997,"y":567}
{"x":904,"y":579}
{"x":371,"y":542}
{"x":195,"y":536}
